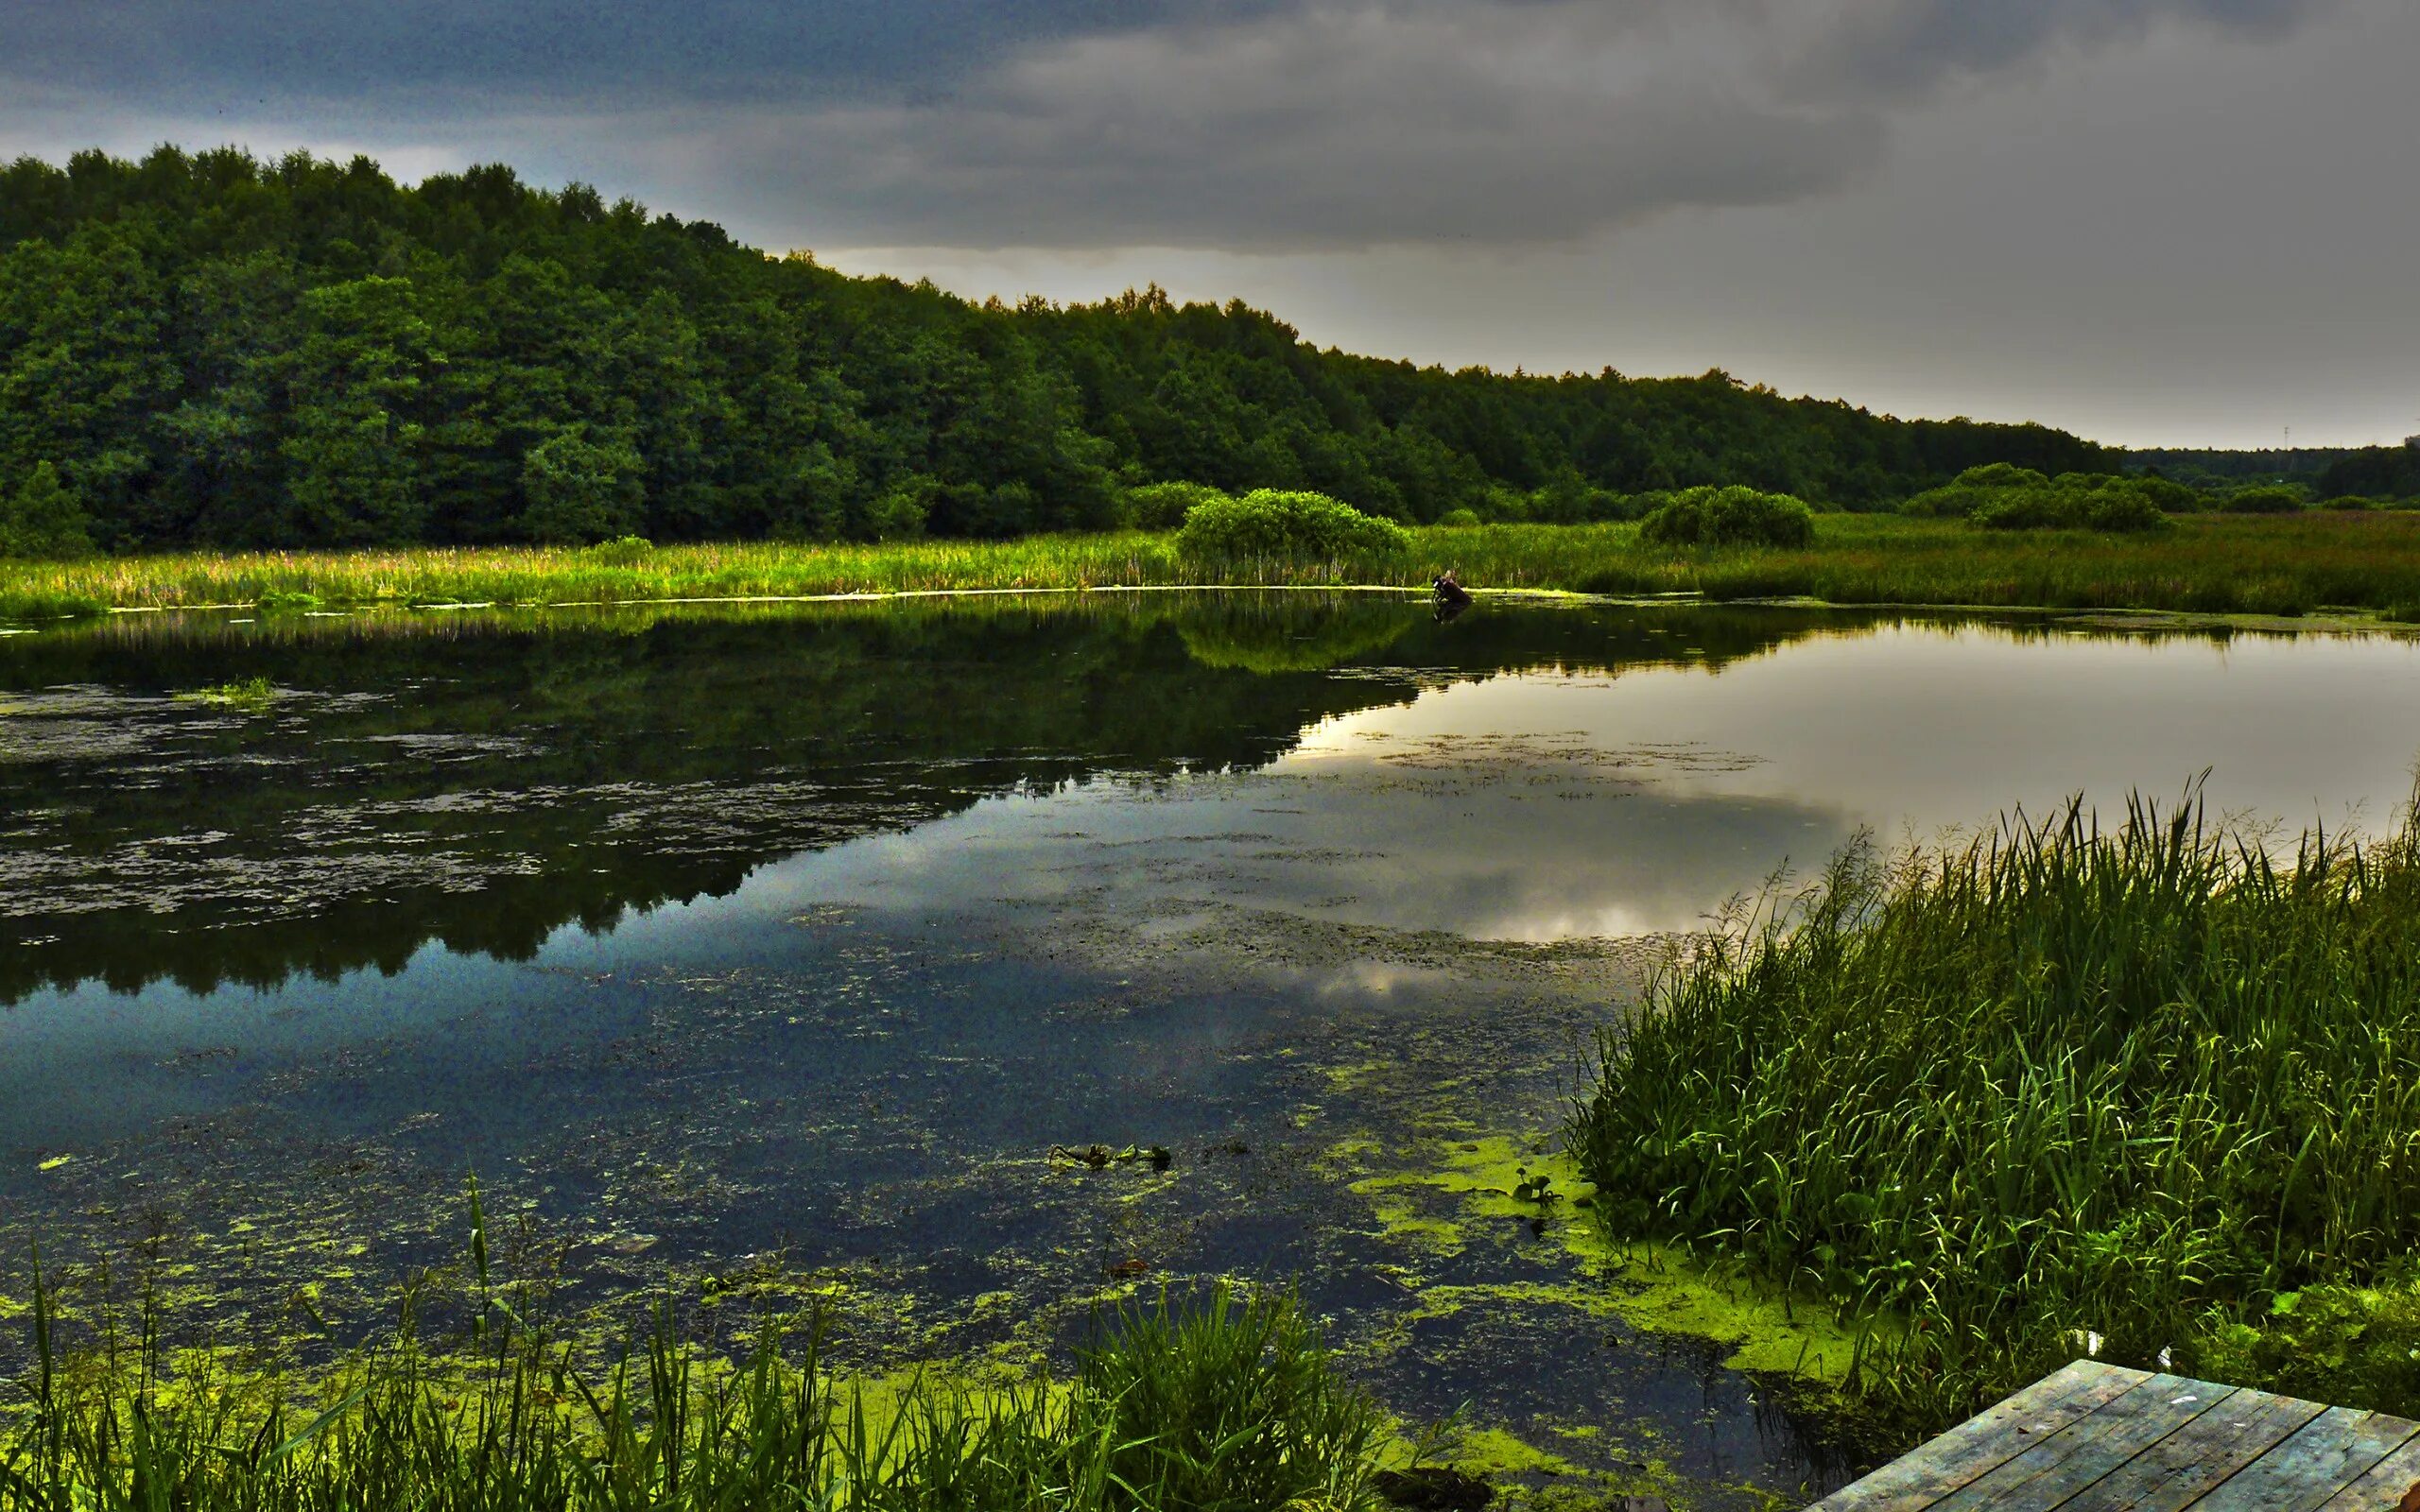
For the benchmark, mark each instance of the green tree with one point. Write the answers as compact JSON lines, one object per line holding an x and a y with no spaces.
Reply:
{"x":210,"y":348}
{"x":42,"y":521}
{"x":582,"y":490}
{"x":353,"y":456}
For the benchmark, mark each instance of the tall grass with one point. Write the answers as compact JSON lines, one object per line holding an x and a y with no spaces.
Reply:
{"x":2210,"y":564}
{"x":1229,"y":1406}
{"x":2069,"y":1086}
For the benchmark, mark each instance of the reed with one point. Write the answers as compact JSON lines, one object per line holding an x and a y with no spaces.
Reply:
{"x":2069,"y":1088}
{"x":1225,"y":1406}
{"x":2209,"y":564}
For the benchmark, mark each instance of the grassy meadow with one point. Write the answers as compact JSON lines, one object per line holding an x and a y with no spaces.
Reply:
{"x":2212,"y":564}
{"x":2147,"y":1089}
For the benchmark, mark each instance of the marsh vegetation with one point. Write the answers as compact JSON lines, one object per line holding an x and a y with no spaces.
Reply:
{"x":2147,"y":1088}
{"x":2212,"y":564}
{"x":1218,"y":1403}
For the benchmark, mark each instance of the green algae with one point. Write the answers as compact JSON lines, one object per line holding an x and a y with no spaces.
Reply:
{"x":1499,"y":1180}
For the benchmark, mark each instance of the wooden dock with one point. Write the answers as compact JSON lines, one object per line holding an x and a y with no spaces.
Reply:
{"x":2097,"y":1438}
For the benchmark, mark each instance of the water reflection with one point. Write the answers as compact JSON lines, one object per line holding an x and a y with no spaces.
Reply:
{"x":483,"y":783}
{"x":794,"y":940}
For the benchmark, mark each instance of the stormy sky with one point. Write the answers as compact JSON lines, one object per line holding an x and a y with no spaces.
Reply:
{"x":2189,"y":222}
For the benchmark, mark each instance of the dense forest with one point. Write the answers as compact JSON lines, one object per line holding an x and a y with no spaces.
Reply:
{"x":213,"y":350}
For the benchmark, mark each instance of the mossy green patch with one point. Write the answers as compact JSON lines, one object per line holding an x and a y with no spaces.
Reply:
{"x":1496,"y":1181}
{"x":1498,"y":1452}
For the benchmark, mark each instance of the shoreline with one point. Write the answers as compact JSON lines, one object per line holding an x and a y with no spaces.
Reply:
{"x":2356,"y":571}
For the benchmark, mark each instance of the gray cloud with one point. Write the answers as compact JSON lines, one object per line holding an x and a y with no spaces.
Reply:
{"x":1344,"y":123}
{"x":1262,"y":125}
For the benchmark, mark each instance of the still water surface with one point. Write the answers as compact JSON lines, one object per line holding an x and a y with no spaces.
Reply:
{"x":774,"y":953}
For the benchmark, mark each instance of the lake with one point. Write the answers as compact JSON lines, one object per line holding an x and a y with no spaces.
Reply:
{"x":797,"y":955}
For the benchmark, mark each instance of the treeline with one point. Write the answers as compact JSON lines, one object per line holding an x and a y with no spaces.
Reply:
{"x":211,"y":349}
{"x":2375,"y":472}
{"x":2328,"y":473}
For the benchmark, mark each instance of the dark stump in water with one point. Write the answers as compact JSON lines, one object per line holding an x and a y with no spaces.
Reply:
{"x":1451,"y":596}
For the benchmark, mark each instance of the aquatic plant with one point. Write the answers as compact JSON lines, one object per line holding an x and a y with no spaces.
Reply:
{"x":2069,"y":1083}
{"x":1729,"y":517}
{"x":1229,"y":1404}
{"x":251,"y":694}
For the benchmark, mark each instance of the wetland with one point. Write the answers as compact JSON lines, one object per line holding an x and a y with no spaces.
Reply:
{"x":954,"y":969}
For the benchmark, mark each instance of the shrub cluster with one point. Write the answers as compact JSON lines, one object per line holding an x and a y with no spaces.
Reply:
{"x":2276,"y":499}
{"x":2000,"y":497}
{"x":1735,"y":516}
{"x":1267,"y":523}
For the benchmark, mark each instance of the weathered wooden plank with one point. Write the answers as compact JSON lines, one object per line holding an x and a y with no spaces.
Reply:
{"x":1990,"y":1437}
{"x":2330,"y":1451}
{"x":2060,"y":1467}
{"x":2181,"y":1467}
{"x":2382,"y":1485}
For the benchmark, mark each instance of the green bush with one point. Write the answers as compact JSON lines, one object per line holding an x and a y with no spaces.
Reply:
{"x":2272,"y":500}
{"x":1267,"y":523}
{"x":1735,"y":516}
{"x":1971,"y":489}
{"x":2333,"y":1343}
{"x":622,"y":551}
{"x":2000,"y":497}
{"x":1459,"y":519}
{"x":2348,"y":503}
{"x":2171,"y":496}
{"x":2121,"y":509}
{"x":1164,"y":506}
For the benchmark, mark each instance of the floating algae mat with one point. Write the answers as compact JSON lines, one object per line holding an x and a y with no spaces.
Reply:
{"x":954,"y":968}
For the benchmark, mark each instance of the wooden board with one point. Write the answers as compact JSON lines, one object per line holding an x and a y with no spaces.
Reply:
{"x":2332,"y":1451}
{"x":2054,"y":1471}
{"x":2383,"y":1485}
{"x":1985,"y":1441}
{"x":2100,"y":1438}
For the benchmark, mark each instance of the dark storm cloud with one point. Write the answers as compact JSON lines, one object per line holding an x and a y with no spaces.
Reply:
{"x":624,"y":52}
{"x":1248,"y":124}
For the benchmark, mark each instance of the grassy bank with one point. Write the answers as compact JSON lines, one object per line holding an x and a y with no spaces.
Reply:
{"x":2140,"y":1087}
{"x":1230,"y":1404}
{"x":2210,"y":564}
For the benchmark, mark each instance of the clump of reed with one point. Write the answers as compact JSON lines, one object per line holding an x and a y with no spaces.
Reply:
{"x":250,"y":695}
{"x":1220,"y":1406}
{"x":2072,"y":1086}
